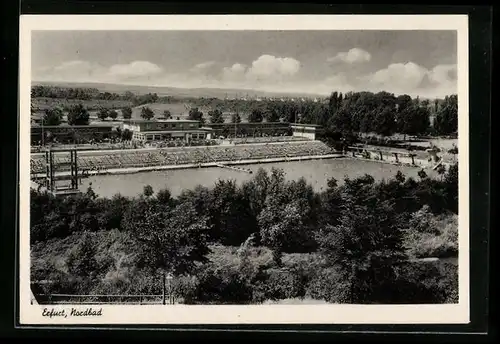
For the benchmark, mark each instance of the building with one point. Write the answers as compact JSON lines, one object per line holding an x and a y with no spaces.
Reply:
{"x":167,"y":129}
{"x":305,"y":130}
{"x":250,"y":129}
{"x":70,"y":133}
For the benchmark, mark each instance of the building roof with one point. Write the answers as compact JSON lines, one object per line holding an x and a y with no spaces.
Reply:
{"x":160,"y":121}
{"x":304,"y":125}
{"x":153,"y":132}
{"x":67,"y":126}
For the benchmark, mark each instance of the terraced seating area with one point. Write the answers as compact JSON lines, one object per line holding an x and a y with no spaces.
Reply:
{"x":179,"y":156}
{"x":265,"y":139}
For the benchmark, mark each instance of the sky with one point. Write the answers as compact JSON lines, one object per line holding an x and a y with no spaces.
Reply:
{"x":418,"y":63}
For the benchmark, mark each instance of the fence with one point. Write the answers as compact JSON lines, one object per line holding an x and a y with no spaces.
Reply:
{"x":104,"y":299}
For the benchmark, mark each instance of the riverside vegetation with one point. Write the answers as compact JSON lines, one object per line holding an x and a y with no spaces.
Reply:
{"x":267,"y":239}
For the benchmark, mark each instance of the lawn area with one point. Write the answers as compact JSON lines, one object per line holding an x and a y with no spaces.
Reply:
{"x":42,"y":104}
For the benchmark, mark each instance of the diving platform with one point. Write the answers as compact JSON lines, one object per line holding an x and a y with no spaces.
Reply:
{"x":235,"y":168}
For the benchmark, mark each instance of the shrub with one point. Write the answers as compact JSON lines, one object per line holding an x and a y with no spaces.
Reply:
{"x":185,"y":287}
{"x":279,"y":285}
{"x":429,"y":235}
{"x":222,"y":285}
{"x":426,"y":283}
{"x":327,"y":285}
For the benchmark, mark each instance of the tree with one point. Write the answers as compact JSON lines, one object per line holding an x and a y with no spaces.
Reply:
{"x":451,"y":181}
{"x":384,"y":122}
{"x":103,"y":114}
{"x":147,"y":113}
{"x":334,"y":102}
{"x":255,"y":116}
{"x":216,"y":116}
{"x":414,"y":120}
{"x":447,"y":116}
{"x":52,"y":116}
{"x":288,"y":215}
{"x":441,"y":170}
{"x":341,"y":121}
{"x":127,"y":135}
{"x":113,"y":114}
{"x":365,"y":247}
{"x":229,"y":214}
{"x":167,"y":114}
{"x":127,"y":113}
{"x":196,"y":115}
{"x":422,"y":174}
{"x":82,"y":260}
{"x":148,"y":191}
{"x":164,"y":196}
{"x":172,"y":240}
{"x":235,"y":118}
{"x":272,"y":115}
{"x":78,"y":115}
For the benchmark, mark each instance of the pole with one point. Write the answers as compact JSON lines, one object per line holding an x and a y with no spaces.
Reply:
{"x":164,"y":287}
{"x":43,"y":144}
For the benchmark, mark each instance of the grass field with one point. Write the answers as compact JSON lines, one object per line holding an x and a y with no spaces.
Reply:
{"x":42,"y":104}
{"x":180,"y":110}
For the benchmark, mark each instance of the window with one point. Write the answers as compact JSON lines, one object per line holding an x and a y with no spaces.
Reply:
{"x":173,"y":125}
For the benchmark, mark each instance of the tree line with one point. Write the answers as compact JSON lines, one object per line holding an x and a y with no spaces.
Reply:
{"x":381,"y":113}
{"x":360,"y":228}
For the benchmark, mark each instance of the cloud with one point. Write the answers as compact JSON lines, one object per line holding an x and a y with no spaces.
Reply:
{"x":234,"y":73}
{"x":355,"y":55}
{"x":202,"y":66}
{"x":85,"y":71}
{"x":76,"y":70}
{"x":443,"y":73}
{"x":135,"y":69}
{"x":412,"y":78}
{"x":268,"y":66}
{"x":265,"y":69}
{"x":267,"y":73}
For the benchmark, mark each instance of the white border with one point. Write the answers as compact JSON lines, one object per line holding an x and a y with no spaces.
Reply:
{"x":261,"y":314}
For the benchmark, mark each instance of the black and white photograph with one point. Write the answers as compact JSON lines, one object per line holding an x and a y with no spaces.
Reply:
{"x":278,"y":166}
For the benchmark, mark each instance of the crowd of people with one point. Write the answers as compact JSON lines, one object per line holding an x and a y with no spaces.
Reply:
{"x":181,"y":156}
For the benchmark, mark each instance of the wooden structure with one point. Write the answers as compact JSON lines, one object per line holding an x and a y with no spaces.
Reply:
{"x":55,"y":161}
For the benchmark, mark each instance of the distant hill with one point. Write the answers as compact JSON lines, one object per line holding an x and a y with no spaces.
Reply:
{"x":174,"y":91}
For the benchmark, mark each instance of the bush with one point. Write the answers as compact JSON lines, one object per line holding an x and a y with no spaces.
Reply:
{"x":185,"y":287}
{"x":426,"y":283}
{"x":281,"y":285}
{"x":429,"y":235}
{"x":327,"y":285}
{"x":222,"y":286}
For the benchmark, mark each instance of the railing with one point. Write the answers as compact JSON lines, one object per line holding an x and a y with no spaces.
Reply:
{"x":104,"y":299}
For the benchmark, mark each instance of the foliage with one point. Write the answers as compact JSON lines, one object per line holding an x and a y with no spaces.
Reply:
{"x":235,"y":118}
{"x":103,"y":114}
{"x":52,"y":116}
{"x":78,"y":115}
{"x":167,"y":114}
{"x":113,"y":114}
{"x":366,"y":243}
{"x":147,"y":113}
{"x":196,"y":115}
{"x":256,"y":116}
{"x":216,"y":116}
{"x":172,"y":239}
{"x":365,"y":231}
{"x":447,"y":117}
{"x":127,"y":112}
